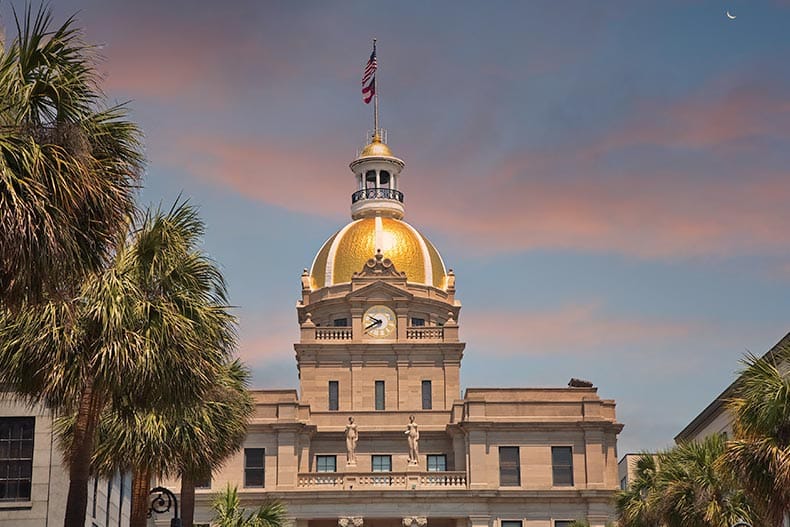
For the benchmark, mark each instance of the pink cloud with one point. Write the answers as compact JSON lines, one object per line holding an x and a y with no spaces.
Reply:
{"x":569,"y":198}
{"x":575,"y":329}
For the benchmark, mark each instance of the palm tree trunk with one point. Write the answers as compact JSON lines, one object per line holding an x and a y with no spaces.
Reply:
{"x":141,"y":481}
{"x":187,"y":500}
{"x":80,"y":456}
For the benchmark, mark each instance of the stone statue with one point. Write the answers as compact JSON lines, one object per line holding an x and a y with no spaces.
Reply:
{"x":351,"y":442}
{"x":413,"y":435}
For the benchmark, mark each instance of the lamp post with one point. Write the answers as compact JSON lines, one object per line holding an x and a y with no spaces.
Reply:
{"x":162,"y":502}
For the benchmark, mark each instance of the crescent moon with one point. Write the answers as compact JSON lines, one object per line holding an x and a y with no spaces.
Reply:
{"x":731,"y":17}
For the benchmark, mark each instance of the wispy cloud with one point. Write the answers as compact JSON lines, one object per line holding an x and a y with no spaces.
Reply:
{"x":577,"y":329}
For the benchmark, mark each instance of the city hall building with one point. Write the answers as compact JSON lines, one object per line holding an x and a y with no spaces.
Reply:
{"x":379,"y":434}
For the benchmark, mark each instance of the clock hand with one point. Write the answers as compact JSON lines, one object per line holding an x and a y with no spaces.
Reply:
{"x":377,"y":322}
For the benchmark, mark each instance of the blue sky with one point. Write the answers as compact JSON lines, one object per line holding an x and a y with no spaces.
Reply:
{"x":609,"y":180}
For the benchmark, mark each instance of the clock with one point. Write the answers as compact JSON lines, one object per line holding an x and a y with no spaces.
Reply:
{"x":379,"y":322}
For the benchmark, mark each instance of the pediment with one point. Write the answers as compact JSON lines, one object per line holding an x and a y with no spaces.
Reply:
{"x":379,"y":290}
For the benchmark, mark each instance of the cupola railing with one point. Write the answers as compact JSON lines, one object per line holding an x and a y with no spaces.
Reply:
{"x":377,"y":193}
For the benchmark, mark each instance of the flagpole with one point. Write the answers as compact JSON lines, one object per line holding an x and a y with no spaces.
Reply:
{"x":376,"y":99}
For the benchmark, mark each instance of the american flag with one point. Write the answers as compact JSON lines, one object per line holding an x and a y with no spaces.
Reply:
{"x":369,"y":77}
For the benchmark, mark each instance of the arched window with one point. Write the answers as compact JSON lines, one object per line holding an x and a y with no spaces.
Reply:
{"x":384,"y":179}
{"x":370,"y":179}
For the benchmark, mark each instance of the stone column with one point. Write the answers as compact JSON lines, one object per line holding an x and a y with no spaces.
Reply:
{"x":415,"y":521}
{"x":350,"y":521}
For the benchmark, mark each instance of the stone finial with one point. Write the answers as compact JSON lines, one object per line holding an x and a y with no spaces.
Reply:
{"x":308,"y":321}
{"x":450,"y":319}
{"x":450,"y":280}
{"x":305,"y":279}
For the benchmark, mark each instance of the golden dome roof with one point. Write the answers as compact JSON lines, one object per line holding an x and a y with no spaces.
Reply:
{"x":376,"y":148}
{"x":346,"y":251}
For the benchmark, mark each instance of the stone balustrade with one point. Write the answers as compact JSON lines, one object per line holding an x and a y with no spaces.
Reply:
{"x":333,"y":333}
{"x":425,"y":333}
{"x":382,"y":480}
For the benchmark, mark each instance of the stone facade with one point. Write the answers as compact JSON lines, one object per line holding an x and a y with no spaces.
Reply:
{"x":108,"y":501}
{"x":379,"y":344}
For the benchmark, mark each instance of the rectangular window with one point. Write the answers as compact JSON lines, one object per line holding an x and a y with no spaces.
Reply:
{"x":510,"y":523}
{"x":562,"y":466}
{"x":334,"y":389}
{"x":427,"y":395}
{"x":254,"y":467}
{"x":417,"y":321}
{"x":437,"y":463}
{"x":379,"y":395}
{"x":203,"y":482}
{"x":563,"y":523}
{"x":16,"y":457}
{"x":340,"y":322}
{"x":509,"y":466}
{"x":325,"y":464}
{"x":381,"y":463}
{"x":623,"y":484}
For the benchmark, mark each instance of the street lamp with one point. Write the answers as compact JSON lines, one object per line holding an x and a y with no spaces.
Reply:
{"x":165,"y":499}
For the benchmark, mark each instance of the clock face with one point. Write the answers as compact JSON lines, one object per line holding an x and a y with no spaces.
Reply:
{"x":379,"y":322}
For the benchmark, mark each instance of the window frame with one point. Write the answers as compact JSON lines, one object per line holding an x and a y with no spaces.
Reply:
{"x":381,"y":403}
{"x":373,"y":459}
{"x":517,"y":465}
{"x":417,"y":322}
{"x":204,"y":482}
{"x":325,"y":457}
{"x":248,"y":468}
{"x":513,"y":523}
{"x":555,"y":468}
{"x":336,"y":406}
{"x":427,"y":404}
{"x":562,"y":523}
{"x":435,"y":456}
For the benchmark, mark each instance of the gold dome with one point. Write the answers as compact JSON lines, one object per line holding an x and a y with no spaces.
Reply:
{"x":376,"y":148}
{"x":345,"y":252}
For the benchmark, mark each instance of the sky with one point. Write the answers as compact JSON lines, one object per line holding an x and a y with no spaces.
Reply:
{"x":609,"y":180}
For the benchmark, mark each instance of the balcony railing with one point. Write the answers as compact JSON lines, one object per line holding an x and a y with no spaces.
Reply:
{"x":339,"y":333}
{"x":377,"y":193}
{"x":380,"y":480}
{"x":424,"y":333}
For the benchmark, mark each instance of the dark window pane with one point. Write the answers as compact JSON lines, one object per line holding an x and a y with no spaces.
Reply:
{"x":427,"y":396}
{"x":563,"y":523}
{"x":203,"y":482}
{"x":379,"y":395}
{"x":562,"y":466}
{"x":511,"y":523}
{"x":16,"y":457}
{"x":254,"y":467}
{"x":326,"y":464}
{"x":333,"y":395}
{"x":382,"y":463}
{"x":509,"y":466}
{"x":417,"y":321}
{"x":437,"y":463}
{"x":384,"y":179}
{"x":340,"y":322}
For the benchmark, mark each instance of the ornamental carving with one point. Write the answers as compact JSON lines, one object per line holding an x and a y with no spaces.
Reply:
{"x":350,"y":521}
{"x":415,"y":521}
{"x":379,"y":266}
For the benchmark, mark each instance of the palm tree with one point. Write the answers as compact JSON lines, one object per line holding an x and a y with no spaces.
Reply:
{"x":694,"y":489}
{"x":171,"y":440}
{"x":215,"y":430}
{"x":229,"y":513}
{"x":634,"y":504}
{"x":151,"y":328}
{"x":760,"y":451}
{"x":685,"y":486}
{"x":68,"y":165}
